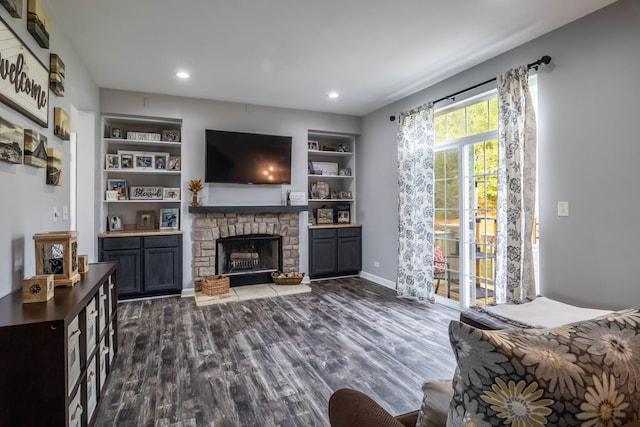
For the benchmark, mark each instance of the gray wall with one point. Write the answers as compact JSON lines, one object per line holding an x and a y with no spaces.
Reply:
{"x":198,"y":115}
{"x":27,"y":202}
{"x":589,"y":151}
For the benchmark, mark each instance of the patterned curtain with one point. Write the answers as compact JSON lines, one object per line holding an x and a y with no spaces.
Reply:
{"x":515,"y":279}
{"x":415,"y":207}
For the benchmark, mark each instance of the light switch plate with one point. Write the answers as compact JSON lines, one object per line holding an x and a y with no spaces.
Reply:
{"x":563,"y":208}
{"x":65,"y":213}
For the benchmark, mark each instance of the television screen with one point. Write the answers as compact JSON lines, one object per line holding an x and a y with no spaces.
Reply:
{"x":247,"y":158}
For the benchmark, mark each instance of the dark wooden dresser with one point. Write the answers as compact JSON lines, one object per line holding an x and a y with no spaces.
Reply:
{"x":56,"y":355}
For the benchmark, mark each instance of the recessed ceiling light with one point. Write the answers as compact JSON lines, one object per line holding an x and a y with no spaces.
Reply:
{"x":182,"y":75}
{"x":333,"y":95}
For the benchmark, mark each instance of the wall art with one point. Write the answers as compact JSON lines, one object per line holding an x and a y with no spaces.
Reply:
{"x":38,"y":23}
{"x":56,"y":75}
{"x":54,"y":167}
{"x":61,"y":123}
{"x":35,"y":149}
{"x":14,"y":7}
{"x":11,"y":142}
{"x":26,"y":90}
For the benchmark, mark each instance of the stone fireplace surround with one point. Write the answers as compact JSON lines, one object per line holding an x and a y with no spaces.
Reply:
{"x":211,"y":223}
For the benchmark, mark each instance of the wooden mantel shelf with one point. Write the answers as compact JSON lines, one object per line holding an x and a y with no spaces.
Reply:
{"x":247,"y":209}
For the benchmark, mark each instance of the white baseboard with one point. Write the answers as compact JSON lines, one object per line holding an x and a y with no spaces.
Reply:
{"x":189,"y":292}
{"x":379,"y":280}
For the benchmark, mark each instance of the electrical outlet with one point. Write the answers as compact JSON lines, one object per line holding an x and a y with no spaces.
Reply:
{"x":65,"y":213}
{"x":376,"y":263}
{"x":563,"y":208}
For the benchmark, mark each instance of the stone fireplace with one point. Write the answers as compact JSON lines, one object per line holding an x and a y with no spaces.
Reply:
{"x":249,"y":259}
{"x":212,"y":225}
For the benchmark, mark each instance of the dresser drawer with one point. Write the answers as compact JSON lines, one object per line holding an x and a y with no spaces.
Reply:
{"x":323,"y":233}
{"x":91,"y":384}
{"x":73,"y":359}
{"x":75,"y":410}
{"x":349,"y":232}
{"x":91,"y":316}
{"x":103,"y":309}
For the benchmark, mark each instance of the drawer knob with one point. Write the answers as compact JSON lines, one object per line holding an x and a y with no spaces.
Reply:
{"x":77,"y":412}
{"x":74,"y":333}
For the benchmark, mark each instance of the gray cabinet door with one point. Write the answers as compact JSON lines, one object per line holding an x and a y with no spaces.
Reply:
{"x":349,"y":255}
{"x":161,"y":269}
{"x":322,"y":257}
{"x":129,"y":277}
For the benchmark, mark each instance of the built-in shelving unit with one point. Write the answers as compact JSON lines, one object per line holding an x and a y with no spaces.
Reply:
{"x":144,"y":155}
{"x":332,"y":176}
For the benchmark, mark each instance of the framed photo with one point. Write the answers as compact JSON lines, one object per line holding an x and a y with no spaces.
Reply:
{"x":54,"y":167}
{"x":345,"y":172}
{"x":345,"y":195}
{"x":343,"y":217}
{"x":114,"y":223}
{"x":143,"y":161}
{"x":111,"y":196}
{"x":116,"y":133}
{"x":38,"y":23}
{"x":170,"y":194}
{"x":314,"y":195}
{"x":14,"y":7}
{"x":325,"y":216}
{"x":171,"y":135}
{"x":169,"y":219}
{"x":161,"y":161}
{"x":126,"y":161}
{"x":61,"y":123}
{"x":119,"y":185}
{"x":322,"y":187}
{"x":335,"y":194}
{"x":112,"y":162}
{"x":174,"y":163}
{"x":146,"y":193}
{"x":145,"y":220}
{"x":343,"y":148}
{"x":313,"y":145}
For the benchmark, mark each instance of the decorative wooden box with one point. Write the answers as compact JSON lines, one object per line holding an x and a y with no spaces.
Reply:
{"x":83,"y":263}
{"x":37,"y":288}
{"x":57,"y":254}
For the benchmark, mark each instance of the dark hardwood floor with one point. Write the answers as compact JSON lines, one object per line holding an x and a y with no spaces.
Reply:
{"x":274,"y":361}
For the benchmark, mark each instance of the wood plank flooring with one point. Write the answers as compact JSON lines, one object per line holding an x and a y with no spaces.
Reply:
{"x":274,"y":361}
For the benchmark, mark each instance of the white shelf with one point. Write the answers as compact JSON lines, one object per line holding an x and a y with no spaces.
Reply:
{"x":142,"y":171}
{"x":321,"y":177}
{"x":128,"y":142}
{"x":142,"y":201}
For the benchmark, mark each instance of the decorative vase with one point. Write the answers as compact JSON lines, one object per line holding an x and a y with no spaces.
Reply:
{"x":194,"y":199}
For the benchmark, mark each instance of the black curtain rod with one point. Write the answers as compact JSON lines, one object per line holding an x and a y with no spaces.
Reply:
{"x":542,"y":61}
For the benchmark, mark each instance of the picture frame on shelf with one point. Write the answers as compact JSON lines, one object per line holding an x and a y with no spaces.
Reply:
{"x":111,"y":196}
{"x":112,"y":161}
{"x":313,"y":145}
{"x":171,"y":135}
{"x":314,"y":195}
{"x":114,"y":223}
{"x":171,"y":194}
{"x":343,"y":217}
{"x":174,"y":163}
{"x":126,"y":161}
{"x":335,"y":194}
{"x":143,"y":161}
{"x":169,"y":219}
{"x":345,"y":194}
{"x":324,"y":216}
{"x":146,"y":193}
{"x":343,"y":148}
{"x":345,"y":172}
{"x":145,"y":220}
{"x":116,"y":133}
{"x":161,"y":161}
{"x":120,"y":186}
{"x":322,"y":188}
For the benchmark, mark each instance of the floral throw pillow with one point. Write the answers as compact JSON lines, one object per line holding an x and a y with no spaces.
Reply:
{"x":581,"y":374}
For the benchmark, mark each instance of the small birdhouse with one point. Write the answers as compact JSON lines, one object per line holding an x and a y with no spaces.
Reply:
{"x":37,"y":288}
{"x":57,"y":254}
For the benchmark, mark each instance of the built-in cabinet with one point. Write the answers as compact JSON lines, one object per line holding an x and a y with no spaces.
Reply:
{"x":57,"y":355}
{"x":149,"y":265}
{"x":335,"y":251}
{"x":141,"y":168}
{"x":331,"y":177}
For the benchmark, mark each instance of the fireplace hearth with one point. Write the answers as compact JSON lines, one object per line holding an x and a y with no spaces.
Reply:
{"x":249,"y":259}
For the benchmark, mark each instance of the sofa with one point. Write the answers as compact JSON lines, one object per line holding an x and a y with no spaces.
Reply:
{"x":585,"y":373}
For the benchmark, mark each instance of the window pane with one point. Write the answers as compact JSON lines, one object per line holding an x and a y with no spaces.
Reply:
{"x":438,"y":167}
{"x":452,"y":164}
{"x":452,"y":193}
{"x":456,"y":124}
{"x":493,"y":113}
{"x":439,"y":194}
{"x":478,"y":118}
{"x":440,"y":125}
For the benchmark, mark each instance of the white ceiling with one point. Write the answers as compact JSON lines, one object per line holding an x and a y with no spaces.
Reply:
{"x":292,"y":53}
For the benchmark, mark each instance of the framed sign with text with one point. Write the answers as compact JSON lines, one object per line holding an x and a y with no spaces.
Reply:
{"x":24,"y":79}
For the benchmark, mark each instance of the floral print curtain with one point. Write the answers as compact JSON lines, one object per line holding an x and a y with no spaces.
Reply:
{"x":415,"y":203}
{"x":515,"y":278}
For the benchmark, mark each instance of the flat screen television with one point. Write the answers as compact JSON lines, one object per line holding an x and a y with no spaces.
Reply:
{"x":247,"y":158}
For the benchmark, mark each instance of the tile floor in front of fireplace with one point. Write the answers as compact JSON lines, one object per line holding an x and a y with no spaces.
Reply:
{"x":249,"y":292}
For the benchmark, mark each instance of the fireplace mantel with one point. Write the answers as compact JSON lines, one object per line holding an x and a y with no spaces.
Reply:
{"x":246,"y":209}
